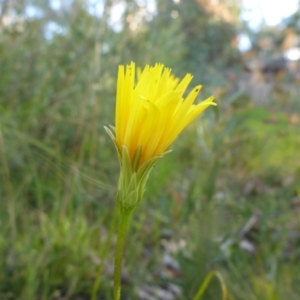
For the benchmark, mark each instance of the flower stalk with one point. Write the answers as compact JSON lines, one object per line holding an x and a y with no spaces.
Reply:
{"x":125,"y":216}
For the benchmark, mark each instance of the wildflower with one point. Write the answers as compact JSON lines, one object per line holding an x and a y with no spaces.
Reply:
{"x":150,"y":114}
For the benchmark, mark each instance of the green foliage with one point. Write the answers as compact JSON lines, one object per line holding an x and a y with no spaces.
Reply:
{"x":58,"y":168}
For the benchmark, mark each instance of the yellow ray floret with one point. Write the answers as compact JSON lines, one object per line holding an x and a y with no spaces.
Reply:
{"x":151,"y":113}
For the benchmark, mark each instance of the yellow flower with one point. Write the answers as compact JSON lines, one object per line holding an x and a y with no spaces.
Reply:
{"x":151,"y":113}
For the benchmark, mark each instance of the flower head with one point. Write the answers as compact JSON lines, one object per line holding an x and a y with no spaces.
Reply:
{"x":151,"y":113}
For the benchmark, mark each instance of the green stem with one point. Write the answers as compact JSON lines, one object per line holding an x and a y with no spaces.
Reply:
{"x":103,"y":253}
{"x":122,"y":231}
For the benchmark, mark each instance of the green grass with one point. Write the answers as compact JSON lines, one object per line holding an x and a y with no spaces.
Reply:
{"x":59,"y":171}
{"x":58,"y":230}
{"x":58,"y":206}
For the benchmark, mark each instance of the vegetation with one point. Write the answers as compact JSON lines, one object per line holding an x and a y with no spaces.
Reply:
{"x":226,"y":199}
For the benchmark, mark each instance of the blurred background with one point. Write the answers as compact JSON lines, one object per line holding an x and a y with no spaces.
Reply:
{"x":231,"y":202}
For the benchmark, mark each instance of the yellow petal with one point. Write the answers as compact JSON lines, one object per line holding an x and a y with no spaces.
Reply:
{"x":151,"y":113}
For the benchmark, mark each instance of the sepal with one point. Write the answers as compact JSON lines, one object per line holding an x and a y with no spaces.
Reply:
{"x":133,"y":177}
{"x":132,"y":182}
